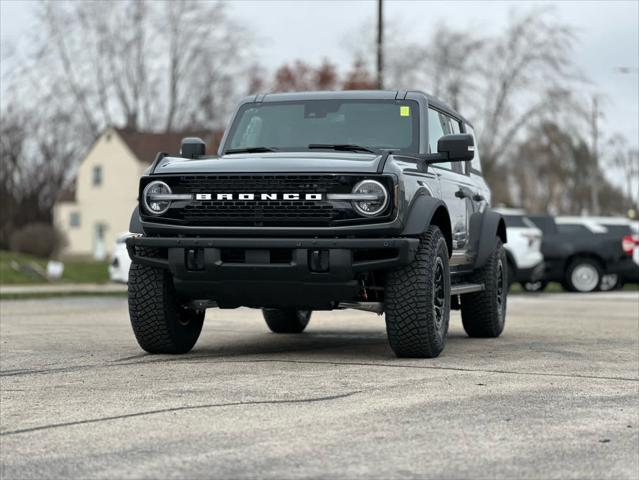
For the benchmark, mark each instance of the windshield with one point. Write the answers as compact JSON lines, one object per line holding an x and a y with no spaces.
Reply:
{"x":320,"y":124}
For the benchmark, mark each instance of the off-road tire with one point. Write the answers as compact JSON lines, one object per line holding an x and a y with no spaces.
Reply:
{"x":286,"y":320}
{"x":417,"y":300}
{"x":160,"y":322}
{"x":484,"y":313}
{"x":512,"y":274}
{"x":592,"y":267}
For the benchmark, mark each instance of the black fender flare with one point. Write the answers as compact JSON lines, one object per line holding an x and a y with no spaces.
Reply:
{"x":135,"y":224}
{"x":486,"y":227}
{"x":425,"y":211}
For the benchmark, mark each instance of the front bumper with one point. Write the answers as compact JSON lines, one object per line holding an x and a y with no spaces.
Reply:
{"x":271,"y":272}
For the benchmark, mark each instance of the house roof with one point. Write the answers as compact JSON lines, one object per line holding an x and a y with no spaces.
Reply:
{"x":145,"y":145}
{"x":67,"y":194}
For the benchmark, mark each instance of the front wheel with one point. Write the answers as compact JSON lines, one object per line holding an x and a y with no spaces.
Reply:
{"x":484,"y":313}
{"x":161,"y":323}
{"x":286,"y":320}
{"x":417,"y":300}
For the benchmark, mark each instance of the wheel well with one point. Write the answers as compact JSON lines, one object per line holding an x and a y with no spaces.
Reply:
{"x":588,"y":255}
{"x":501,"y":230}
{"x":442,"y":220}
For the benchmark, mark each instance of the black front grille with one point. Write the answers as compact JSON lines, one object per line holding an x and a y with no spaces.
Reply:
{"x":260,"y":212}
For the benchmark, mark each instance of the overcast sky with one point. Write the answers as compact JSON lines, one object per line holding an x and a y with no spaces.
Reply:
{"x":311,"y":30}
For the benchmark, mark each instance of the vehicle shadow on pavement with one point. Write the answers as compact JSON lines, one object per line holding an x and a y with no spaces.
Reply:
{"x":327,"y":344}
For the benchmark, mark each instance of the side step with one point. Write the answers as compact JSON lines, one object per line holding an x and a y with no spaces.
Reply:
{"x":461,"y":288}
{"x":374,"y":307}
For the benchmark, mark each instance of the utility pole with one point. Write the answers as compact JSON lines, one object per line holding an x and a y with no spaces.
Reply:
{"x":594,"y":175}
{"x":380,"y":44}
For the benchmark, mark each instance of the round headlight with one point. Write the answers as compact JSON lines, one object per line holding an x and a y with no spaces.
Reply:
{"x":153,"y":205}
{"x":370,"y":208}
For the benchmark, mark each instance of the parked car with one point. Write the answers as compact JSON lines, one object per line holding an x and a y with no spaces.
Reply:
{"x":624,"y":230}
{"x":579,"y":253}
{"x":120,"y":261}
{"x":523,"y":250}
{"x":372,"y":200}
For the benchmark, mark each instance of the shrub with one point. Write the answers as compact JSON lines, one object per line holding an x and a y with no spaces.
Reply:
{"x":38,"y":239}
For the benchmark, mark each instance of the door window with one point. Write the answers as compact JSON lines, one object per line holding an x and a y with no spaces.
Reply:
{"x":438,"y":126}
{"x":475,"y":164}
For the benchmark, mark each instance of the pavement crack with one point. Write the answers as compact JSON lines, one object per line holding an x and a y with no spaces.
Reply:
{"x":430,"y":367}
{"x":178,"y":409}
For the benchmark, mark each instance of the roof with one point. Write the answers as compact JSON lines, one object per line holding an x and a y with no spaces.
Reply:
{"x":146,"y":145}
{"x":67,"y":194}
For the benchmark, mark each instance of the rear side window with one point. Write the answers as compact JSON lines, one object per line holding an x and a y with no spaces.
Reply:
{"x":545,"y":224}
{"x":574,"y":229}
{"x":515,"y":221}
{"x":618,"y":230}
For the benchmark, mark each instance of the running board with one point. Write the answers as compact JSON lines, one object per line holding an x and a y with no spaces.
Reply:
{"x":462,"y":288}
{"x":374,"y":307}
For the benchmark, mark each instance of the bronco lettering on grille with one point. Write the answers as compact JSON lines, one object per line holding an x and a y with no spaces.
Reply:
{"x":258,"y":196}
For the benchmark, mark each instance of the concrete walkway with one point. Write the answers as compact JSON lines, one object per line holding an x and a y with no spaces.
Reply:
{"x":65,"y":288}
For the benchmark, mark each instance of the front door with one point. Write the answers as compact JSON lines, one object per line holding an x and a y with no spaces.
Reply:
{"x":457,"y":197}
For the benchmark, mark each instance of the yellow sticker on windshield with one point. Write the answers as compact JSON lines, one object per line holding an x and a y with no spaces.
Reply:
{"x":404,"y":111}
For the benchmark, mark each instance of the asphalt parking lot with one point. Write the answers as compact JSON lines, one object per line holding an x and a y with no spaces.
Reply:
{"x":557,"y":396}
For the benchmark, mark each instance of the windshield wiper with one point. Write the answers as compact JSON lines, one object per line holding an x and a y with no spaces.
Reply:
{"x":341,"y":146}
{"x":251,"y":150}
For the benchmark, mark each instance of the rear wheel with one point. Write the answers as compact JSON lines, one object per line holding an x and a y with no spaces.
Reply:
{"x":610,"y":282}
{"x":161,"y":323}
{"x":484,"y":313}
{"x":538,"y":286}
{"x":583,"y":275}
{"x":286,"y":320}
{"x":417,"y":300}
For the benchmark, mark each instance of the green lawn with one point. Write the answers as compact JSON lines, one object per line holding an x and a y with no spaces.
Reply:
{"x":75,"y":271}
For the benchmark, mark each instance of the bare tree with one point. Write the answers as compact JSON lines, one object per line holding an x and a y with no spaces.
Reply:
{"x":625,"y":161}
{"x":522,"y":70}
{"x":140,"y":64}
{"x":505,"y":82}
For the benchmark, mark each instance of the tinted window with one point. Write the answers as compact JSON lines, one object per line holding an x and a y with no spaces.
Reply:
{"x":573,"y":229}
{"x":545,"y":224}
{"x":438,"y":126}
{"x":515,"y":221}
{"x":293,"y":126}
{"x":618,"y":230}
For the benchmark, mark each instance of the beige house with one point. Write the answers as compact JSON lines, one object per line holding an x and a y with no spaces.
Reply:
{"x":97,"y":210}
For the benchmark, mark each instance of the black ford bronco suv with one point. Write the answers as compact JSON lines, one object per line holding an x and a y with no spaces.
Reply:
{"x":372,"y":200}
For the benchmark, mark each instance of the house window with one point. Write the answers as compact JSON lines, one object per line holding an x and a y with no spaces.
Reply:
{"x":74,"y":219}
{"x":97,"y":176}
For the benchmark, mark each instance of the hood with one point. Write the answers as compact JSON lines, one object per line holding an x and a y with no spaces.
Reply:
{"x":276,"y":162}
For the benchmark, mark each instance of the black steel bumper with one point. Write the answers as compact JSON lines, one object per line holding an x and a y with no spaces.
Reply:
{"x":263,"y":272}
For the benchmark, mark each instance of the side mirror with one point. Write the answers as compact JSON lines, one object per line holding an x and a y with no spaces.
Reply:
{"x":192,"y":147}
{"x":458,"y":147}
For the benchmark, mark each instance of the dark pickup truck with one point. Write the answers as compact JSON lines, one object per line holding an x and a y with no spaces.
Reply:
{"x":579,"y":257}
